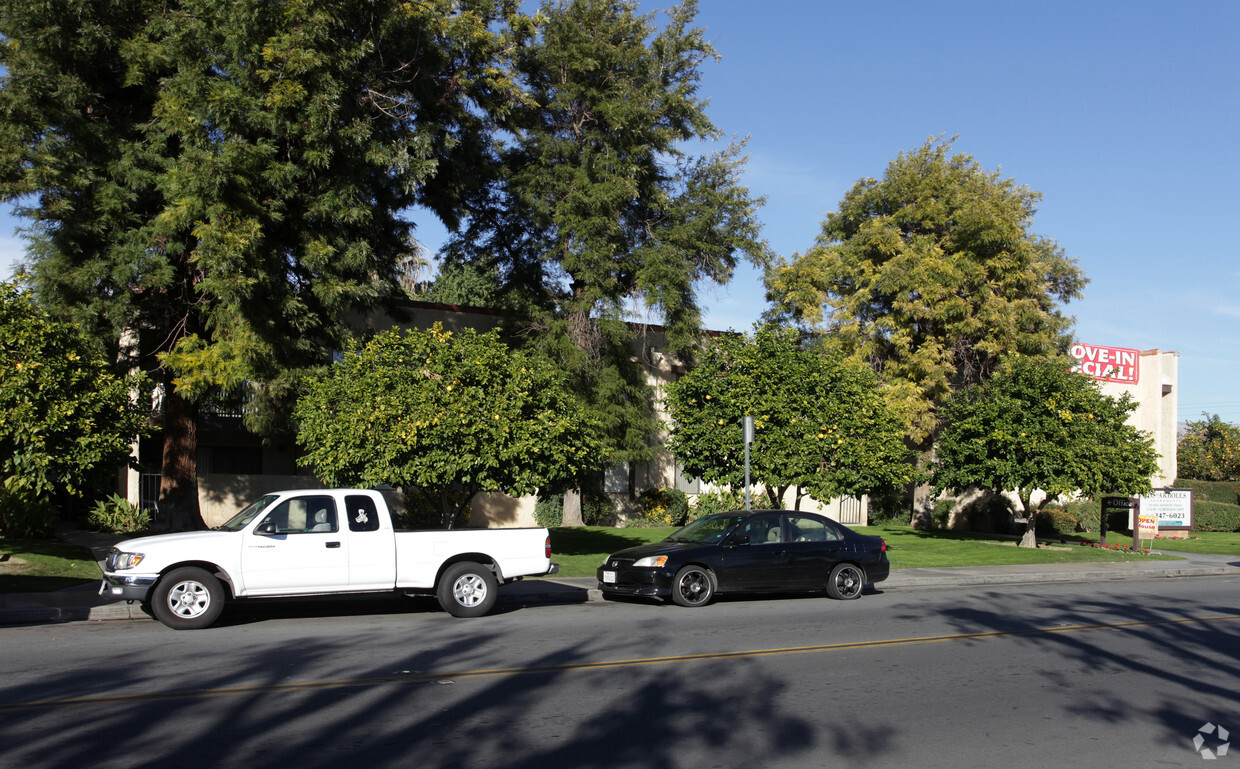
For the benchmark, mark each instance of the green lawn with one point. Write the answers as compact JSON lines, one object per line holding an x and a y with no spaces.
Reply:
{"x":39,"y":566}
{"x":579,"y":551}
{"x":1220,"y":542}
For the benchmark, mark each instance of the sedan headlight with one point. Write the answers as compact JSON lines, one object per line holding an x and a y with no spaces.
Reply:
{"x":651,"y":561}
{"x":118,"y":561}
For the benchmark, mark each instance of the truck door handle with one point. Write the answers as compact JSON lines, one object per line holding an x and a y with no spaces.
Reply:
{"x":333,"y":544}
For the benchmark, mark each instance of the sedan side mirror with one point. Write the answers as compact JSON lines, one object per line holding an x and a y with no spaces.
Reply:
{"x":739,"y":539}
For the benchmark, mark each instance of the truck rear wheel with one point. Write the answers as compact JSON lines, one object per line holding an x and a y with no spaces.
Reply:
{"x":188,"y":598}
{"x":467,"y":589}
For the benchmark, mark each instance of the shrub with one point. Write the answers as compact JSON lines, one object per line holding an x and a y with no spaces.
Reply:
{"x":941,"y":512}
{"x":118,"y":516}
{"x":597,"y":510}
{"x":24,"y":519}
{"x":664,"y":507}
{"x":711,"y":502}
{"x":423,"y":512}
{"x":989,"y":512}
{"x":549,"y":510}
{"x":1216,"y":516}
{"x":1055,"y":520}
{"x":891,"y":506}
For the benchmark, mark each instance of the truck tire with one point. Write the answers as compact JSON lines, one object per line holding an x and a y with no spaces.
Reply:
{"x":467,"y":589}
{"x":188,"y":598}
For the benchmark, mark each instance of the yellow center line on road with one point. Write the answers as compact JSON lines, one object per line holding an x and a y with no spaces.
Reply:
{"x":408,"y":678}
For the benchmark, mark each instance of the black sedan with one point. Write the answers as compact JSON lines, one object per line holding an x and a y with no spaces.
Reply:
{"x":768,"y":551}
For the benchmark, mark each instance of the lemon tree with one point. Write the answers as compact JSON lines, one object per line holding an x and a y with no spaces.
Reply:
{"x":1036,"y":425}
{"x":444,"y":415}
{"x":821,"y":425}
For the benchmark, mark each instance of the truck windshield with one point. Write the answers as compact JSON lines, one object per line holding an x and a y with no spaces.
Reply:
{"x":241,"y":519}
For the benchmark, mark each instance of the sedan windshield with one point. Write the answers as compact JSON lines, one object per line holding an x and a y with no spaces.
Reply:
{"x":241,"y":519}
{"x":707,"y":530}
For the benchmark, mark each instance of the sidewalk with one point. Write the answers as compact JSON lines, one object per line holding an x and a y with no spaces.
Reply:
{"x":83,"y":602}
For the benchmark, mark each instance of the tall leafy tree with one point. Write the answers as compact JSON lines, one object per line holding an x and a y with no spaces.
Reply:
{"x":215,"y":187}
{"x":66,"y":421}
{"x":1035,"y":425}
{"x":602,"y":203}
{"x":1209,"y":450}
{"x":821,"y":425}
{"x":445,"y":416}
{"x":930,"y":275}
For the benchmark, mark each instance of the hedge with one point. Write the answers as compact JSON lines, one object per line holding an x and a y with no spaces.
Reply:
{"x":1226,"y":492}
{"x":1215,"y":516}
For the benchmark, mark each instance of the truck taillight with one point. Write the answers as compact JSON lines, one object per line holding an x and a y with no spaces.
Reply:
{"x":547,"y":547}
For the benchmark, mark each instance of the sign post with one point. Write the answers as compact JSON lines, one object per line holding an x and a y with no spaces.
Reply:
{"x":1113,"y":505}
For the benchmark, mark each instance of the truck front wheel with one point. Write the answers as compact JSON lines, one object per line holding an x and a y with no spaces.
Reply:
{"x":467,"y":589}
{"x":188,"y":598}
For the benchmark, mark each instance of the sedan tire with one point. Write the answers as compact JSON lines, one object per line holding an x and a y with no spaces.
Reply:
{"x":846,"y":581}
{"x":693,"y":586}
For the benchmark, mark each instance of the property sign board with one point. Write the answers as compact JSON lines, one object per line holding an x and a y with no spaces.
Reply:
{"x":1107,"y":364}
{"x":1172,"y":507}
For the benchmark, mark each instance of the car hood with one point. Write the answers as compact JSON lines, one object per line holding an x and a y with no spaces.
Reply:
{"x":656,"y":548}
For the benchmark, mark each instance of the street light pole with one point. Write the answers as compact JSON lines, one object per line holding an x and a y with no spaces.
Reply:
{"x":748,"y":440}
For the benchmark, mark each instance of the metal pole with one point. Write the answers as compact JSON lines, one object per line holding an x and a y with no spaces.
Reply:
{"x":748,"y":440}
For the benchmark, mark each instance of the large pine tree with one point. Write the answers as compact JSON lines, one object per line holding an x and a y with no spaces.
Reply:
{"x":214,"y":187}
{"x":604,"y":205}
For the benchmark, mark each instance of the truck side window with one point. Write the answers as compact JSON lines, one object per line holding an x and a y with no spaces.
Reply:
{"x":300,"y":515}
{"x":361,"y":512}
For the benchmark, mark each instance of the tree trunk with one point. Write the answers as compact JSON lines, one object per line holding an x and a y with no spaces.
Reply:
{"x":1030,"y":537}
{"x":923,"y":508}
{"x":178,"y":486}
{"x":572,"y":508}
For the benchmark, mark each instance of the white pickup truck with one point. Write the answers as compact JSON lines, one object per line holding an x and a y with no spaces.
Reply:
{"x":317,"y":542}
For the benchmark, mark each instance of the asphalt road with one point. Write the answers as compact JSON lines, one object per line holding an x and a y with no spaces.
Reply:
{"x":1120,"y":674}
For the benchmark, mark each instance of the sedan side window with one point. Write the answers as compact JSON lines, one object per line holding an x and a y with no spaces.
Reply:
{"x":762,"y":530}
{"x":803,"y":528}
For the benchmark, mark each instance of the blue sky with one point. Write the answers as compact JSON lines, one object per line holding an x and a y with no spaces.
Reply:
{"x":1124,"y":115}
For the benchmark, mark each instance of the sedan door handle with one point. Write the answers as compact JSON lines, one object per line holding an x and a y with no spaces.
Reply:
{"x":333,"y":544}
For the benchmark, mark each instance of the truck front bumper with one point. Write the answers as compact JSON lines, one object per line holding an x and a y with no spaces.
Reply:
{"x":124,"y":587}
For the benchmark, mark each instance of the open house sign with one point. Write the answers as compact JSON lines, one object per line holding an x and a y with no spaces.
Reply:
{"x":1107,"y":364}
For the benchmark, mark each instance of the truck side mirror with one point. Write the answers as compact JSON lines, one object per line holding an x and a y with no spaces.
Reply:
{"x":267,"y":527}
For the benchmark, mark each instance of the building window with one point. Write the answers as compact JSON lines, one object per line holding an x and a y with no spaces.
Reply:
{"x":616,"y":479}
{"x":685,"y":483}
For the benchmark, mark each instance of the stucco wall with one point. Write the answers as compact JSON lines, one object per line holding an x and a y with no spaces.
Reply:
{"x":1156,"y":393}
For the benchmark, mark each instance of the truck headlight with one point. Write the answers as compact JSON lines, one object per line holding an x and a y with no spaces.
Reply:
{"x":118,"y":561}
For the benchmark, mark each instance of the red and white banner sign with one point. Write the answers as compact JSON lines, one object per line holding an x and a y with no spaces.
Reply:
{"x":1107,"y":364}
